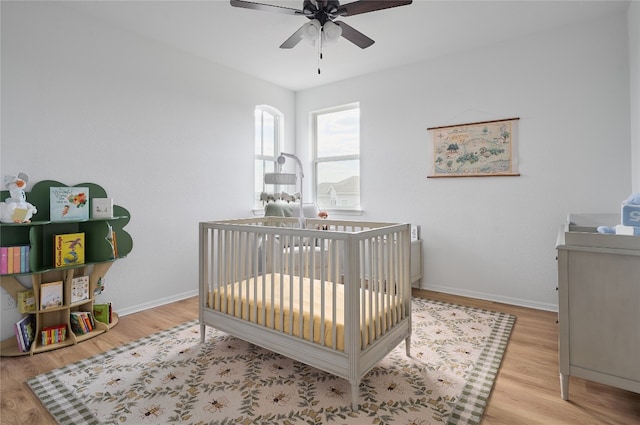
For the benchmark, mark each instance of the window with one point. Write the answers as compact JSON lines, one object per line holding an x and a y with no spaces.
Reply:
{"x":336,"y":136}
{"x":268,"y":130}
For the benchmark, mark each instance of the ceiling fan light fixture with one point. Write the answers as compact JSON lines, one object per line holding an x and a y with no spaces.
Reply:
{"x":311,"y":31}
{"x":331,"y":32}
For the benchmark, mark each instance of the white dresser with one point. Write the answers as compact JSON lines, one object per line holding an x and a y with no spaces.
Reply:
{"x":599,"y":303}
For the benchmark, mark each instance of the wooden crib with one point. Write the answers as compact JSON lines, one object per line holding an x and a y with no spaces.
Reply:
{"x":337,"y":299}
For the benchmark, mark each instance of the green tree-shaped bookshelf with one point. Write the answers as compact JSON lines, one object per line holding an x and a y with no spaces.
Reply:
{"x":39,"y":235}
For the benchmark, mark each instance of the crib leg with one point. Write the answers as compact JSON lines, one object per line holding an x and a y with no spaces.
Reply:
{"x":407,"y":343}
{"x":203,"y":332}
{"x":355,"y":395}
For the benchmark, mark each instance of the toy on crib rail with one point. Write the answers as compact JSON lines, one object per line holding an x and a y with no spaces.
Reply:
{"x":323,"y":215}
{"x":16,"y":209}
{"x":630,"y":214}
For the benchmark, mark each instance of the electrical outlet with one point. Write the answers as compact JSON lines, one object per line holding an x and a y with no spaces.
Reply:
{"x":8,"y":302}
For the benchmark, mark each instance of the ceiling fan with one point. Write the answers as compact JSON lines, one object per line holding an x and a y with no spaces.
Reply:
{"x":322,"y":15}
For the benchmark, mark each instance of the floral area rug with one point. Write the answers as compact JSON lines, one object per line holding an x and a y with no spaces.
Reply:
{"x":170,"y":377}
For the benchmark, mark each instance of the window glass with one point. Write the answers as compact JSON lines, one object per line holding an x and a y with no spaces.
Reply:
{"x":337,"y":157}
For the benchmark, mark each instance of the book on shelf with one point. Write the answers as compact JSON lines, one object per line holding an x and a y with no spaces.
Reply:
{"x":68,"y":203}
{"x":102,"y":207}
{"x":82,"y":322}
{"x":26,"y":301}
{"x":79,"y":288}
{"x":68,"y":249}
{"x":15,"y":251}
{"x":53,"y":334}
{"x":9,"y":260}
{"x":51,"y":295}
{"x":4,"y":260}
{"x":25,"y":332}
{"x":19,"y":215}
{"x":14,"y":259}
{"x":103,"y":313}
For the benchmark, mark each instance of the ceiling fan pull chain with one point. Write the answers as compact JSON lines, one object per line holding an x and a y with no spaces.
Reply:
{"x":319,"y":52}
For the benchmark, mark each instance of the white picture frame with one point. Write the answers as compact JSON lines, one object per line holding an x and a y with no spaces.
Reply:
{"x":102,"y":207}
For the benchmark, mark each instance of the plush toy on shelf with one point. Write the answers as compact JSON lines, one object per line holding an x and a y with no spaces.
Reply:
{"x":16,"y":209}
{"x":630,"y":218}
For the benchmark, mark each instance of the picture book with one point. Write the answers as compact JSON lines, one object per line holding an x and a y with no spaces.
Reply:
{"x":26,"y":301}
{"x":19,"y":215}
{"x":51,"y":295}
{"x":68,"y":249}
{"x":68,"y":203}
{"x":25,"y":332}
{"x":102,"y":208}
{"x":79,"y":288}
{"x":102,"y":312}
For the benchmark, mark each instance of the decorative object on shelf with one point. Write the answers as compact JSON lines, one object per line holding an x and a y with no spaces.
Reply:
{"x":479,"y":149}
{"x":99,"y":286}
{"x":16,"y":209}
{"x":102,"y":207}
{"x":79,"y":288}
{"x":630,"y":218}
{"x":51,"y":295}
{"x":26,"y":301}
{"x":68,"y":249}
{"x":68,"y":203}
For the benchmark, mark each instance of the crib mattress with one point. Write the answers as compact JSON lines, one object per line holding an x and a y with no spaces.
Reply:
{"x":274,"y":301}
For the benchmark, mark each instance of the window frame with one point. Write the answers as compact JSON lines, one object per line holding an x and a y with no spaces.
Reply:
{"x":315,"y":160}
{"x":278,"y":132}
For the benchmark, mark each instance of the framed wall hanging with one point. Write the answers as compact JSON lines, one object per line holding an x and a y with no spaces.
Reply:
{"x":478,"y":149}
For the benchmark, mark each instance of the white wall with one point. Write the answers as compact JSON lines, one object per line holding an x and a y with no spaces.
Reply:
{"x":495,"y":237}
{"x":634,"y":73}
{"x":168,"y":135}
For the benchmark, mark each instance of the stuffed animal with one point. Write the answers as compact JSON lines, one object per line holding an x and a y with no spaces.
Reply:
{"x":630,"y":213}
{"x":16,"y":209}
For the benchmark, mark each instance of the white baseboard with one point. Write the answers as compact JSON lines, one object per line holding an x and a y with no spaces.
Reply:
{"x":157,"y":303}
{"x":490,"y":297}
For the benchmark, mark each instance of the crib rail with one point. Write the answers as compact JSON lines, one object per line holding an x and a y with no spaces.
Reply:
{"x":306,"y":282}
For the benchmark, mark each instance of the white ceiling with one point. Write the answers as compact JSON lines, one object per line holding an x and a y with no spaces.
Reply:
{"x":247,"y":40}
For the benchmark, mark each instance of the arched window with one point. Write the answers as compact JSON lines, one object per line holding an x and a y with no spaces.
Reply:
{"x":269,"y":124}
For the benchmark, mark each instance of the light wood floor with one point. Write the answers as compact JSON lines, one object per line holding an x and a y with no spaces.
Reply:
{"x":527,"y":390}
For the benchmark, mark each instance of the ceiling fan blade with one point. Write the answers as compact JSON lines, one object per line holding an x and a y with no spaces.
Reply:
{"x":365,"y":6}
{"x":354,"y":36}
{"x":293,"y":40}
{"x":266,"y":7}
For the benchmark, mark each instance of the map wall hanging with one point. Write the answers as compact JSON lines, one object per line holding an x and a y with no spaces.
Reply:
{"x":478,"y":149}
